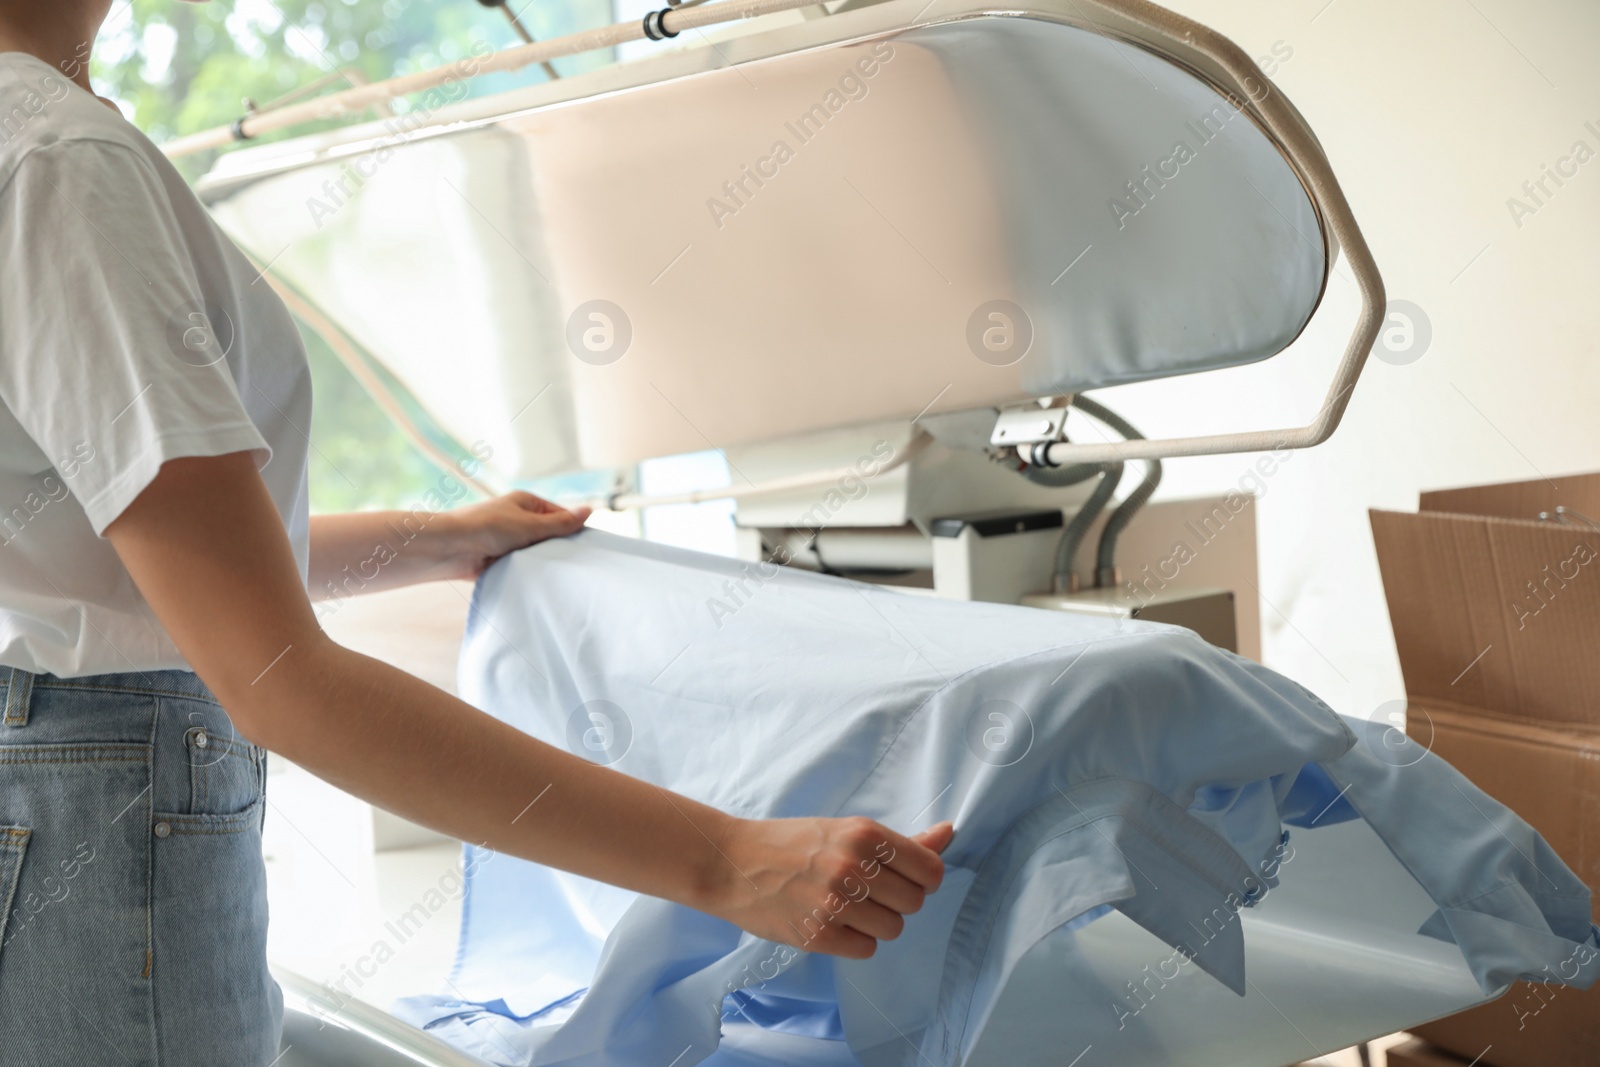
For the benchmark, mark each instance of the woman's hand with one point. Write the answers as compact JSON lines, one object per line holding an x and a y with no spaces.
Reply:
{"x":368,"y":551}
{"x":835,"y":886}
{"x":479,"y":534}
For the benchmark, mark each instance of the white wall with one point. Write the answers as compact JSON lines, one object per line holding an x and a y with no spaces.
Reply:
{"x":1433,"y":115}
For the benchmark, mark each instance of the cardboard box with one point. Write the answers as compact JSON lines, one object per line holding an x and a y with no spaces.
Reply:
{"x":1493,"y":608}
{"x":1422,"y":1054}
{"x":1497,"y":621}
{"x":1550,"y":775}
{"x":1559,"y":1035}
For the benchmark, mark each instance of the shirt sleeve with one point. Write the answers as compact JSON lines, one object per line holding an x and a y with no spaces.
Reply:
{"x":113,"y":356}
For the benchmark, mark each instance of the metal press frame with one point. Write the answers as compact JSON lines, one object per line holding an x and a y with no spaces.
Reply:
{"x":1202,"y":51}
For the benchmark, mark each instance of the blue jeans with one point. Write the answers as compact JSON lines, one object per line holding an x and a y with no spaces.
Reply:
{"x":134,"y":920}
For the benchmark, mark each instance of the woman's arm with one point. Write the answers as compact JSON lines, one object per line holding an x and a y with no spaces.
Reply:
{"x":208,"y":551}
{"x":368,"y":551}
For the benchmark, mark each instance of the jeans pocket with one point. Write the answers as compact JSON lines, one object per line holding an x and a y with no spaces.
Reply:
{"x":208,"y":824}
{"x":13,"y":843}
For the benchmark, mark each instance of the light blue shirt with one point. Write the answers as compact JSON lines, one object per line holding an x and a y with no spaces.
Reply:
{"x":1092,"y":768}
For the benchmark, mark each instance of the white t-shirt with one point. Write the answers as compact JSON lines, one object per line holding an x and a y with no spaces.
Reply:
{"x":132,"y":331}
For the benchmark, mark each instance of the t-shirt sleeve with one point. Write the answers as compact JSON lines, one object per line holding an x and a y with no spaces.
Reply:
{"x":111,"y":357}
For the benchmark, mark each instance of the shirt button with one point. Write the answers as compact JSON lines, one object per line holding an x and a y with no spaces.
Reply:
{"x":200,"y":739}
{"x":162,"y":829}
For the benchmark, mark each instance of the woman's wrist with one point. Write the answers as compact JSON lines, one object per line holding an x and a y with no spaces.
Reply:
{"x":445,"y":547}
{"x":366,"y":551}
{"x":711,"y":872}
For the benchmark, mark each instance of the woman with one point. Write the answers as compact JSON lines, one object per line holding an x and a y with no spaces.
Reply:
{"x":155,"y":524}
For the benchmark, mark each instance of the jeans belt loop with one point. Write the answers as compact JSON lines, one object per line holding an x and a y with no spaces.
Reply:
{"x":19,"y":693}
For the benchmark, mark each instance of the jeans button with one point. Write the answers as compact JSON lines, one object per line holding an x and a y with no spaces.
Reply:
{"x":200,"y":739}
{"x":163,"y":829}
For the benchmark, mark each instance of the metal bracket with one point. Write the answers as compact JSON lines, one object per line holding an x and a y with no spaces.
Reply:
{"x":1024,"y":424}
